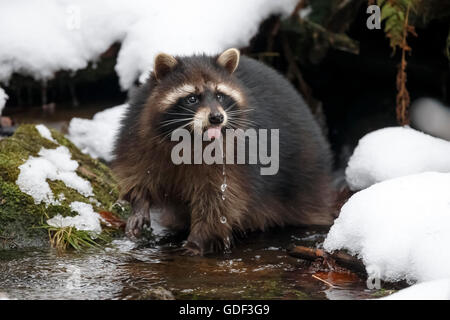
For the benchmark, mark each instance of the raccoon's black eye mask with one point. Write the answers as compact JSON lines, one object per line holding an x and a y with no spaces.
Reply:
{"x":220,"y":97}
{"x":191,"y":100}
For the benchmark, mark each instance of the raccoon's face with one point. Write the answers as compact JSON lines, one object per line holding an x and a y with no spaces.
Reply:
{"x":198,"y":93}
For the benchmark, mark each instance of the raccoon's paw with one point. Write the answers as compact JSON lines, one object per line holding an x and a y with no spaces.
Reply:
{"x":196,"y":246}
{"x":135,"y":224}
{"x":191,"y":249}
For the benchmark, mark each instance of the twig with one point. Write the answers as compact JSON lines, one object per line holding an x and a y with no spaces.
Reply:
{"x":324,"y":281}
{"x":403,"y":99}
{"x":300,"y":5}
{"x":341,"y":258}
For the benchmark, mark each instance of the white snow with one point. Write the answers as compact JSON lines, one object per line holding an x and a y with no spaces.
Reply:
{"x":45,"y":133}
{"x":56,"y":164}
{"x":47,"y":36}
{"x":187,"y":27}
{"x":52,"y":164}
{"x":430,"y":290}
{"x":394,"y":152}
{"x":400,"y":228}
{"x":86,"y":220}
{"x":96,"y":137}
{"x":3,"y":98}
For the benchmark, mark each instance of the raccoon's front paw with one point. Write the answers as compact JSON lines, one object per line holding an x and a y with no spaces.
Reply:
{"x":192,"y":249}
{"x":196,"y":246}
{"x":135,"y":224}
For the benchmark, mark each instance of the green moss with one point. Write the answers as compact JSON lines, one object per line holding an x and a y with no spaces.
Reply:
{"x":20,"y":217}
{"x":380,"y":293}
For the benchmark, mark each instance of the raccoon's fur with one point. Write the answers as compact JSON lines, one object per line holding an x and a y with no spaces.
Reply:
{"x":216,"y":92}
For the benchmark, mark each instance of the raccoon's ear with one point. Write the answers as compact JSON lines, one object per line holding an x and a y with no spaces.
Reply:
{"x":229,"y":59}
{"x":163,"y":64}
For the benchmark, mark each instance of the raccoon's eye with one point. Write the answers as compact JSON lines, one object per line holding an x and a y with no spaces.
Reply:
{"x":219,"y":96}
{"x":192,"y":99}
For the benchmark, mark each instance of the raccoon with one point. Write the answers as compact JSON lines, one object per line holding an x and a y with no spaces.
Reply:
{"x":204,"y":93}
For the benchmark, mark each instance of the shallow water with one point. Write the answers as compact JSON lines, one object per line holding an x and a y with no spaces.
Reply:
{"x":258,"y":268}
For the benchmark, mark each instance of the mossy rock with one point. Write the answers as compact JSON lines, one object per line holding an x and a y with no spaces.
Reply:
{"x":21,"y":219}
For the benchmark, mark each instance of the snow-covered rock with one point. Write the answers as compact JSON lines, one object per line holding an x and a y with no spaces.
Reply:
{"x":46,"y":180}
{"x":430,"y":290}
{"x":42,"y":37}
{"x":86,"y":220}
{"x":52,"y":164}
{"x":394,"y":152}
{"x":400,"y":228}
{"x":96,"y":137}
{"x":45,"y":133}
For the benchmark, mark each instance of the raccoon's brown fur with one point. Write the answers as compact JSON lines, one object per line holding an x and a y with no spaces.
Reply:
{"x":188,"y":195}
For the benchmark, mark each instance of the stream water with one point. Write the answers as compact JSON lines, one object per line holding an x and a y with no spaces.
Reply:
{"x":257,"y":268}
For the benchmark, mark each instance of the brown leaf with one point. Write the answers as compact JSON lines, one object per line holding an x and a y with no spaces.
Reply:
{"x":112,"y":220}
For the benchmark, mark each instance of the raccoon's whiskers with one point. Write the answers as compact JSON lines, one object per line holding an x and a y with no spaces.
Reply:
{"x":179,"y":114}
{"x":173,"y":121}
{"x":167,"y":134}
{"x":241,"y":122}
{"x":229,"y":125}
{"x":186,"y":109}
{"x":239,"y":111}
{"x":231,"y":106}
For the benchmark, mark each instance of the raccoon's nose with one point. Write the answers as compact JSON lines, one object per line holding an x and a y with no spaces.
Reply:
{"x":216,"y":118}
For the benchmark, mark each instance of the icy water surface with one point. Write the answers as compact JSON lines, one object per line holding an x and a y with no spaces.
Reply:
{"x":259,"y":268}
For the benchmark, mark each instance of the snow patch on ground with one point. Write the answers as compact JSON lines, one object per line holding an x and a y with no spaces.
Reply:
{"x":86,"y":220}
{"x":67,"y":35}
{"x":394,"y":152}
{"x":400,"y":228}
{"x":45,"y":133}
{"x":96,"y":137}
{"x":430,"y":290}
{"x":3,"y":98}
{"x":52,"y":164}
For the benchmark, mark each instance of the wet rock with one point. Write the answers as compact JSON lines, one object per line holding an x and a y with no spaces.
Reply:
{"x":23,"y":210}
{"x":6,"y":127}
{"x":158,"y":293}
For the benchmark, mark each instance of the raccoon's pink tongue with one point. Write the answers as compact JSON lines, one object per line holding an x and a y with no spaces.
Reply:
{"x":214,"y":133}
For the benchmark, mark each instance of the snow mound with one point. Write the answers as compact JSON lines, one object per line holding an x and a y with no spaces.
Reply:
{"x":400,"y":228}
{"x":86,"y":220}
{"x":195,"y":27}
{"x":59,"y":35}
{"x":45,"y":133}
{"x":67,"y":35}
{"x":52,"y":164}
{"x":96,"y":137}
{"x":394,"y":152}
{"x":430,"y":290}
{"x":3,"y":98}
